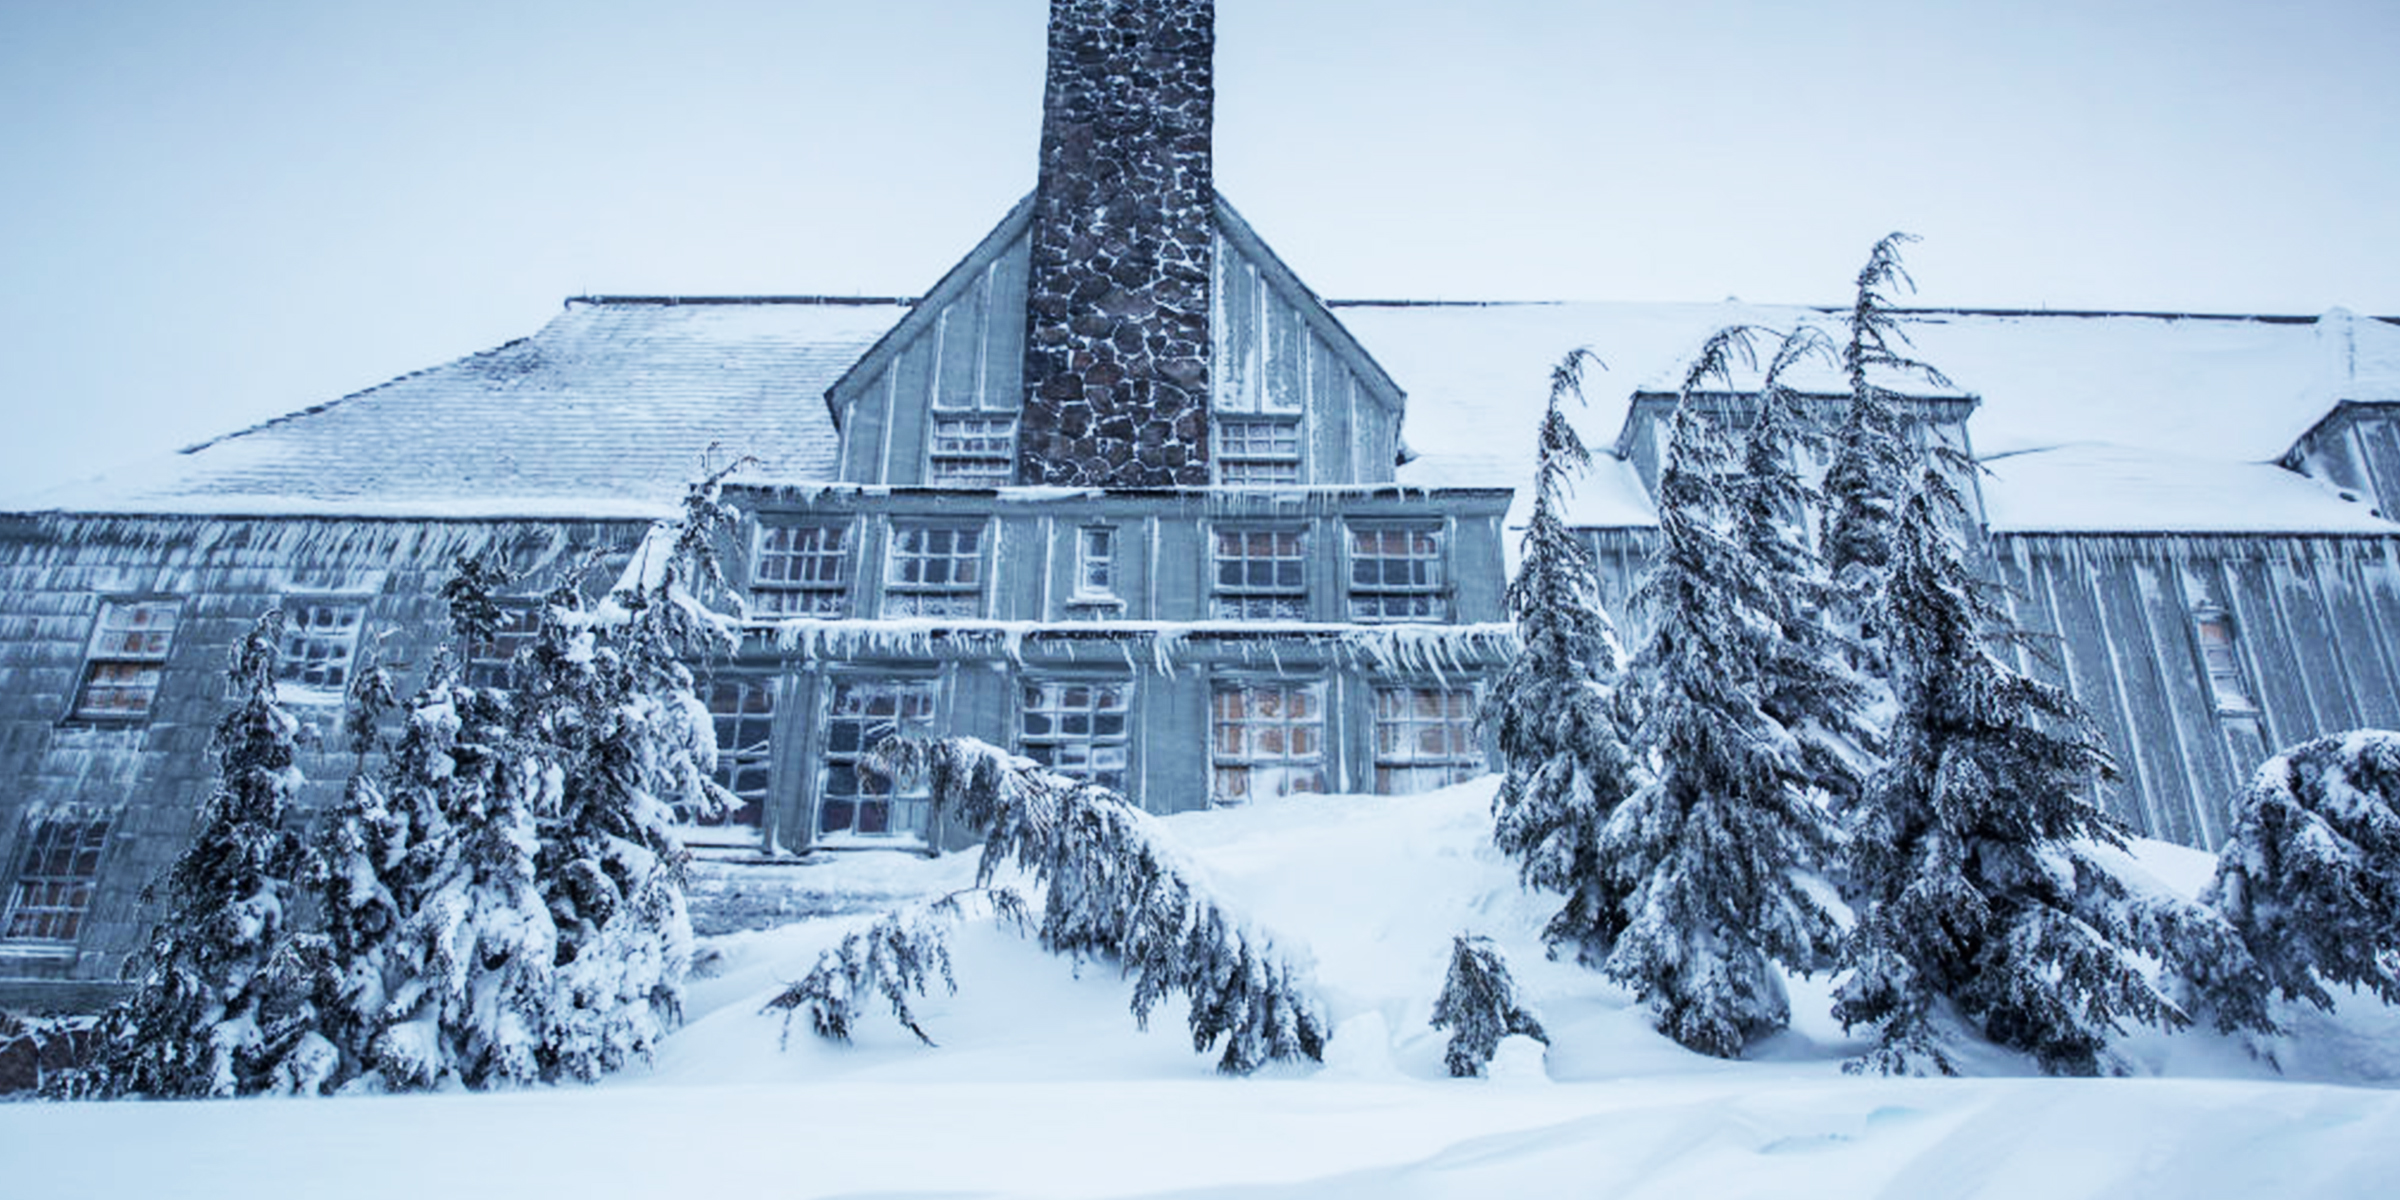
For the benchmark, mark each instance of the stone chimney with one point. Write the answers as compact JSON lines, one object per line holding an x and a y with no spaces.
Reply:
{"x":1116,"y":348}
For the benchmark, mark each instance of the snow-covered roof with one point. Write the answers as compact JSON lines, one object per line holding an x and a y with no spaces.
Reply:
{"x":2190,"y":398}
{"x":2092,"y":487}
{"x":608,"y":411}
{"x":612,"y":406}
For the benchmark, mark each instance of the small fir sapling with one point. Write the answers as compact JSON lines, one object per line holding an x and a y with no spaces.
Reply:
{"x":2310,"y":876}
{"x":1711,"y":853}
{"x":1479,"y":1006}
{"x":1971,"y":854}
{"x":1559,"y":713}
{"x":1114,"y":889}
{"x":213,"y":1012}
{"x":898,"y":955}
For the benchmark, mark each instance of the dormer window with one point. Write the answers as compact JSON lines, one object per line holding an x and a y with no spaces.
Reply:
{"x":972,"y":452}
{"x":1255,"y":451}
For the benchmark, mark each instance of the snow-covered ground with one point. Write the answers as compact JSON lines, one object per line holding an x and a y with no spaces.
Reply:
{"x":1042,"y":1086}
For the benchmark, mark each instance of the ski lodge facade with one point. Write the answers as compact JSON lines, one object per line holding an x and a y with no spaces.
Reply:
{"x":1121,"y":492}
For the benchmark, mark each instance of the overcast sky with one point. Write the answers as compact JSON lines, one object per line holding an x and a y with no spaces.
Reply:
{"x":215,"y":211}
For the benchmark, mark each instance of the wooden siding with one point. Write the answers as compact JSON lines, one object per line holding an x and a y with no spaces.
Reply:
{"x":148,"y":776}
{"x":1276,"y":349}
{"x":2314,"y":621}
{"x":962,"y":351}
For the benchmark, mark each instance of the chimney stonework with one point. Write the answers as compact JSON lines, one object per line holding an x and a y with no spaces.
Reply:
{"x":1117,"y":338}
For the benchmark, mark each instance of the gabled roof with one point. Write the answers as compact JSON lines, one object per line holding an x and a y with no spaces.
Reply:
{"x":607,"y":411}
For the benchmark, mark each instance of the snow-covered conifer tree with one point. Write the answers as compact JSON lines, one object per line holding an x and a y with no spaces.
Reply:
{"x":608,"y":696}
{"x":1871,"y":453}
{"x":359,"y":847}
{"x":1478,"y":1005}
{"x":1977,"y":888}
{"x":1557,"y":713}
{"x":1115,"y":888}
{"x":212,"y":1013}
{"x":470,"y":978}
{"x":2310,"y":876}
{"x":1709,"y":854}
{"x":1806,"y":681}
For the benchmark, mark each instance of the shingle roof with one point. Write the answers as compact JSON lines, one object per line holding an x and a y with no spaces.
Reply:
{"x":607,"y":411}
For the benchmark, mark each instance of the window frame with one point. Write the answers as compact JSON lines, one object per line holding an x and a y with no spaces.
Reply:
{"x":1434,"y":595}
{"x":756,"y":704}
{"x":983,"y":458}
{"x":299,"y":691}
{"x":831,"y":598}
{"x":1086,"y":590}
{"x":1242,"y":757}
{"x":2222,"y":669}
{"x":1461,"y":756}
{"x":78,"y":888}
{"x":149,"y":666}
{"x":1243,"y":458}
{"x":837,"y":754}
{"x":1042,"y":743}
{"x":906,"y":598}
{"x":1245,"y":600}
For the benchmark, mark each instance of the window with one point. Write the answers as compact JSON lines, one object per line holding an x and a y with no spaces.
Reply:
{"x":853,"y":798}
{"x":2222,"y":660}
{"x":1260,"y":575}
{"x":1266,"y":740}
{"x":1096,"y":563}
{"x":977,"y":452}
{"x":319,"y":637}
{"x":1396,"y":575}
{"x":127,"y":658}
{"x":1078,"y":729}
{"x":744,"y":713}
{"x":1258,"y":450}
{"x":934,"y":571}
{"x":1424,"y":738}
{"x":490,"y":659}
{"x":801,"y":571}
{"x":56,"y":870}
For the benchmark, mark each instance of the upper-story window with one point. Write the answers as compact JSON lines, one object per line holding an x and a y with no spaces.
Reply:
{"x":58,"y":865}
{"x":972,"y":451}
{"x":1260,"y":575}
{"x":934,"y":571}
{"x":1257,"y":450}
{"x":491,"y":659}
{"x":801,"y":571}
{"x":126,"y":659}
{"x":1396,"y":575}
{"x":1096,"y":562}
{"x":2222,"y":659}
{"x":320,"y":637}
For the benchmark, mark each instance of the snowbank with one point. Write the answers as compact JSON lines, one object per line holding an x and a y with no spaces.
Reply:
{"x":1042,"y":1086}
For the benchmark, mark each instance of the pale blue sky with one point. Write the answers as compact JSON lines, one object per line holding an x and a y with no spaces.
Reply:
{"x":214,"y":212}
